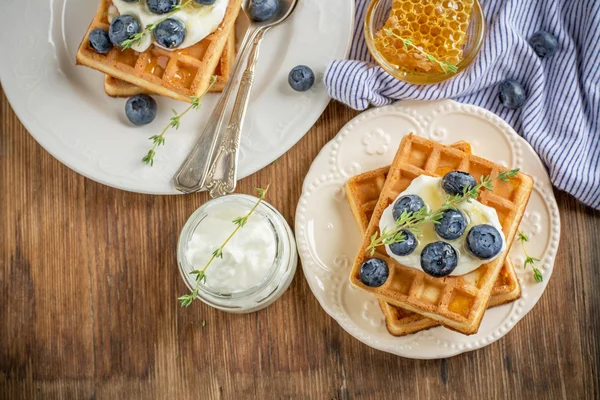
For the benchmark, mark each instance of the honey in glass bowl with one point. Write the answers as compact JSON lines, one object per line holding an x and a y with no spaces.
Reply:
{"x":424,"y":41}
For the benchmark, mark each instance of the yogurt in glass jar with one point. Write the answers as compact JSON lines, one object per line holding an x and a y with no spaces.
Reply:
{"x":257,"y":264}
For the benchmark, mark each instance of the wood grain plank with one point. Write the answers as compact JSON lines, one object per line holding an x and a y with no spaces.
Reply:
{"x":88,"y":306}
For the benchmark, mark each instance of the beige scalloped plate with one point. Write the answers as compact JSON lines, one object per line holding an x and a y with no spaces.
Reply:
{"x":328,"y":238}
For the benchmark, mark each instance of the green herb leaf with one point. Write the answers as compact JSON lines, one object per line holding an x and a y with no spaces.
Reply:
{"x":537,"y":275}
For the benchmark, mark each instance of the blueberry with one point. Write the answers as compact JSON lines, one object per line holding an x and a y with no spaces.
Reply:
{"x":439,"y":259}
{"x":456,"y":182}
{"x":301,"y":78}
{"x":374,"y":272}
{"x":262,"y":10}
{"x":484,"y":241}
{"x":544,"y":44}
{"x":511,"y":94}
{"x":410,"y":203}
{"x":161,"y":6}
{"x":405,"y":247}
{"x":140,"y":109}
{"x":122,"y":28}
{"x":100,"y":41}
{"x":205,"y":2}
{"x":452,"y":225}
{"x":169,"y":33}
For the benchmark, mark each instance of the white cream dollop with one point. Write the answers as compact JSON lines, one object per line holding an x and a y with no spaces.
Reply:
{"x":430,"y":190}
{"x":247,"y":257}
{"x":199,"y":20}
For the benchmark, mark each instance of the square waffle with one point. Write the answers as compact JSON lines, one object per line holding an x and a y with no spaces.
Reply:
{"x":187,"y":72}
{"x":401,"y":322}
{"x":457,"y":302}
{"x":117,"y":88}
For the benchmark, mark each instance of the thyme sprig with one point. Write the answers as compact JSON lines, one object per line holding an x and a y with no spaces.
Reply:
{"x":414,"y":221}
{"x":529,"y":260}
{"x":136,"y":38}
{"x":446,"y":66}
{"x":200,"y":274}
{"x":174,"y":122}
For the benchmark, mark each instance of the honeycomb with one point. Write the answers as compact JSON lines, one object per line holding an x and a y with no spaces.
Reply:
{"x":436,"y":28}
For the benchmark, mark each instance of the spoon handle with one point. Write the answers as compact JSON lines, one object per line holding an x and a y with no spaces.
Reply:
{"x":222,"y":175}
{"x":191,"y":176}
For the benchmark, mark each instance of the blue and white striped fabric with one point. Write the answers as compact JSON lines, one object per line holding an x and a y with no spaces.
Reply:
{"x":560,"y":116}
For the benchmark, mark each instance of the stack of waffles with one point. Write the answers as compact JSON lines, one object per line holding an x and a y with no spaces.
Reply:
{"x":410,"y":299}
{"x":178,"y":74}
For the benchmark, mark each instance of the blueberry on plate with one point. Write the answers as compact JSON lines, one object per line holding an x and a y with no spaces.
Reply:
{"x":169,"y":33}
{"x":262,"y":10}
{"x":405,"y":247}
{"x":301,"y":78}
{"x":410,"y":203}
{"x":141,"y":109}
{"x":374,"y":272}
{"x":161,"y":6}
{"x":457,"y":182}
{"x":484,"y":241}
{"x":439,"y":259}
{"x":205,"y":2}
{"x":100,"y":41}
{"x":452,"y":225}
{"x":544,"y":44}
{"x":511,"y":94}
{"x":122,"y":28}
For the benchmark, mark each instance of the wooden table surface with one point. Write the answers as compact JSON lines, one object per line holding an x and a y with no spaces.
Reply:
{"x":88,"y":309}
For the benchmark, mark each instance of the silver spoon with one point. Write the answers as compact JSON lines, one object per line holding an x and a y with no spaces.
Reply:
{"x":203,"y":169}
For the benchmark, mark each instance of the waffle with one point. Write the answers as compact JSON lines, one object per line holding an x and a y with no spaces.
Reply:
{"x":187,"y":72}
{"x":117,"y":88}
{"x":457,"y":302}
{"x":399,"y":321}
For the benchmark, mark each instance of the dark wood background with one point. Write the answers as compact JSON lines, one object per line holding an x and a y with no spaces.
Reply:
{"x":88,"y":309}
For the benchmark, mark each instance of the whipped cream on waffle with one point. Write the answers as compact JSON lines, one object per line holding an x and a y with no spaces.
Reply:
{"x":430,"y":190}
{"x":199,"y":20}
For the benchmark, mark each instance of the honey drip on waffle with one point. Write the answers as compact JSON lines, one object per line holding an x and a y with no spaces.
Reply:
{"x":438,"y":27}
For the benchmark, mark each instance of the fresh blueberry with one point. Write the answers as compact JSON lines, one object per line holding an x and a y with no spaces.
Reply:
{"x":122,"y":28}
{"x":511,"y":94}
{"x":161,"y":6}
{"x":544,"y":44}
{"x":140,"y":109}
{"x":405,"y":247}
{"x":374,"y":272}
{"x":452,"y":225}
{"x":301,"y":78}
{"x":205,"y":2}
{"x":262,"y":10}
{"x":100,"y":41}
{"x":169,"y":33}
{"x":484,"y":241}
{"x":457,"y":182}
{"x":439,"y":259}
{"x":410,"y":203}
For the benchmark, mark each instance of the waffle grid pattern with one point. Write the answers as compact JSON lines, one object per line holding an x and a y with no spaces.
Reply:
{"x":178,"y":74}
{"x":117,"y":88}
{"x":400,"y":322}
{"x":456,"y":302}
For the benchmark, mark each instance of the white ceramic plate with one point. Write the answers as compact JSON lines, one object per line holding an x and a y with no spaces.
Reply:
{"x":65,"y":109}
{"x":328,"y":237}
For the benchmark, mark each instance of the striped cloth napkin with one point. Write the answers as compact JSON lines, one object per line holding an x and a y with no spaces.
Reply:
{"x":559,"y":118}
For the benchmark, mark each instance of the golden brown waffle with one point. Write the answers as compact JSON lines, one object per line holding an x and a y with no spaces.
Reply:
{"x":438,"y":27}
{"x":187,"y":72}
{"x":455,"y":302}
{"x":117,"y":88}
{"x":399,"y":321}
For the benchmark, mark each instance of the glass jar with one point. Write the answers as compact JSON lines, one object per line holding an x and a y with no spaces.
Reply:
{"x":421,"y":15}
{"x":276,"y":280}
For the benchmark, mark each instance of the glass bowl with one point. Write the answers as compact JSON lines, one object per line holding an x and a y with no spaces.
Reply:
{"x":377,"y":15}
